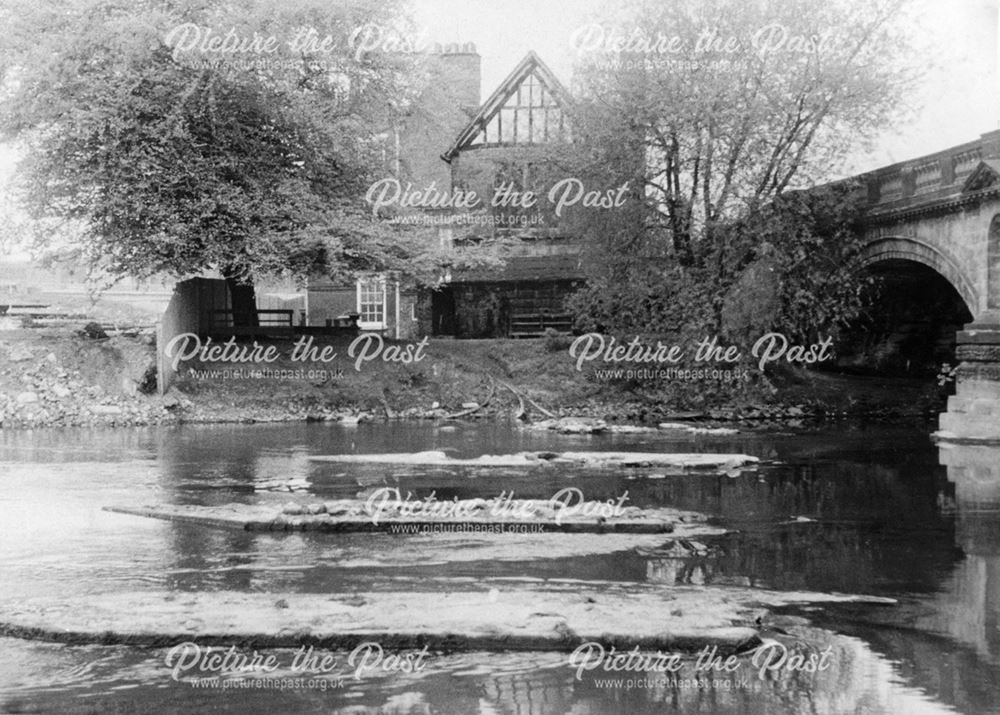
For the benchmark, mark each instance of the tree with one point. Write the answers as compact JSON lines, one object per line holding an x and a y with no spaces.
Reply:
{"x":185,"y":135}
{"x":791,"y":266}
{"x":716,"y":109}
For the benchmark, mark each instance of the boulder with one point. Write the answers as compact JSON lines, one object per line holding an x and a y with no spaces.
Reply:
{"x":94,"y":331}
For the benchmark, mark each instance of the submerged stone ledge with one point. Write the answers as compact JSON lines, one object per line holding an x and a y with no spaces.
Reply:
{"x":519,"y":618}
{"x":470,"y":516}
{"x":709,"y":461}
{"x":590,"y":425}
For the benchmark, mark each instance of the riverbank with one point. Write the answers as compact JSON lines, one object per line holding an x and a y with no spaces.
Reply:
{"x":63,"y":377}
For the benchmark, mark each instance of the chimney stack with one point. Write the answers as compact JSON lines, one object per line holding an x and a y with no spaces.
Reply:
{"x":459,"y":69}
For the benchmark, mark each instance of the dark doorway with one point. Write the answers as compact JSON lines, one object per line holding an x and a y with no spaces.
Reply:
{"x":443,"y":311}
{"x":910,"y":325}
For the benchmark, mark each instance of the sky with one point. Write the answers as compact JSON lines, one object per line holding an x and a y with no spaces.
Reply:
{"x":958,"y":100}
{"x":505,"y":30}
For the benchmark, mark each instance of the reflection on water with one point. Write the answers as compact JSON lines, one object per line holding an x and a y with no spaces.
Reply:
{"x":967,"y":605}
{"x":881,"y":512}
{"x":87,"y":679}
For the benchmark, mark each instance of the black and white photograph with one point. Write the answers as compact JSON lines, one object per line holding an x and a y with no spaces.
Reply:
{"x":500,"y":357}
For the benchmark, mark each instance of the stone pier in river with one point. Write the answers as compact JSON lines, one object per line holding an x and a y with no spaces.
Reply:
{"x":942,"y":211}
{"x":974,"y":411}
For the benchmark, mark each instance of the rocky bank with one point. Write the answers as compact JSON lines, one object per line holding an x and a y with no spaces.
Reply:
{"x":71,"y":377}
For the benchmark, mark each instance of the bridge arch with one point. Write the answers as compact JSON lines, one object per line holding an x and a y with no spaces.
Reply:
{"x":912,"y":249}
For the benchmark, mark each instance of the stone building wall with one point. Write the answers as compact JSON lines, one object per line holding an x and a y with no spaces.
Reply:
{"x":451,"y":86}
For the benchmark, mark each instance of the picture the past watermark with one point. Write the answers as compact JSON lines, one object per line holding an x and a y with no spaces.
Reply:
{"x":706,"y":359}
{"x":611,"y":357}
{"x":308,"y":668}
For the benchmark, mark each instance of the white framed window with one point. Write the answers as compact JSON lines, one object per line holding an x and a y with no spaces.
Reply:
{"x":371,"y":304}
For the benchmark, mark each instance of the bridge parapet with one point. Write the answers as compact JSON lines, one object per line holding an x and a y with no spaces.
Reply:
{"x":927,"y":181}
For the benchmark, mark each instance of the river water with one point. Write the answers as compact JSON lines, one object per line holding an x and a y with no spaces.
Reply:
{"x":876,"y":511}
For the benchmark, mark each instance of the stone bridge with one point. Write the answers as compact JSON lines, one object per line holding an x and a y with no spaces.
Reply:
{"x":943,"y":211}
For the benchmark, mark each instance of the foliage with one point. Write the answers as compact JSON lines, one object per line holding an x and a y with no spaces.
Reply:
{"x":716,"y":137}
{"x":555,"y":342}
{"x":166,"y":158}
{"x":808,"y":240}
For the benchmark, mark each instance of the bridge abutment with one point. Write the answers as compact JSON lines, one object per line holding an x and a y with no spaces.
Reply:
{"x":974,"y":411}
{"x":943,"y":210}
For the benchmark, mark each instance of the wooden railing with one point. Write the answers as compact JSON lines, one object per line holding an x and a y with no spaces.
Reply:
{"x":534,"y":325}
{"x":280,"y":323}
{"x":223,"y":319}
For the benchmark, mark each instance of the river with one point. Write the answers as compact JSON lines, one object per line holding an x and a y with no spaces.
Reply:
{"x":877,"y":510}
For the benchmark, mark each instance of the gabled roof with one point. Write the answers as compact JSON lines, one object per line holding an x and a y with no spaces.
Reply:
{"x":556,"y":267}
{"x":985,"y":175}
{"x":531,"y":64}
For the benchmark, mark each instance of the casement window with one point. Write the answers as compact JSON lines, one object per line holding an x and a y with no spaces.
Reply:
{"x":371,"y":304}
